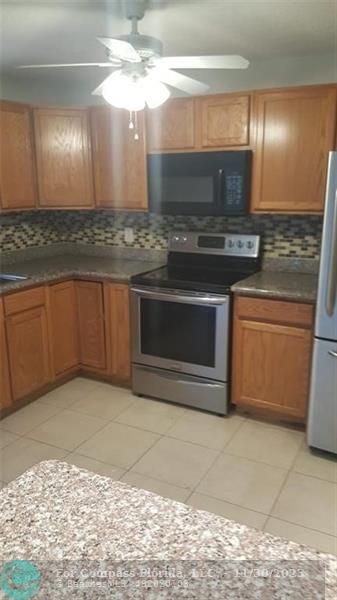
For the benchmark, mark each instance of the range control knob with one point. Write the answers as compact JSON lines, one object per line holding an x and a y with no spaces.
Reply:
{"x":230,"y":243}
{"x":250,"y":244}
{"x":175,"y":238}
{"x":239,"y":244}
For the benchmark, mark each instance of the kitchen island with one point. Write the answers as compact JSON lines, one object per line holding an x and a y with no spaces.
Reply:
{"x":77,"y":528}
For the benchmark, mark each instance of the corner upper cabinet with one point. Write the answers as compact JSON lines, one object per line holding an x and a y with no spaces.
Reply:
{"x":17,"y":175}
{"x":119,"y":160}
{"x":295,"y":129}
{"x":224,"y":120}
{"x":172,"y":126}
{"x":63,"y":158}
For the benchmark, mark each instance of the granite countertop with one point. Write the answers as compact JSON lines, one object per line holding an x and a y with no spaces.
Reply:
{"x":73,"y":524}
{"x":283,"y":285}
{"x":44,"y":265}
{"x":53,"y":268}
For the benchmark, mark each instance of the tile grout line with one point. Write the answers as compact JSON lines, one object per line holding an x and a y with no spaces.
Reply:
{"x":283,"y":486}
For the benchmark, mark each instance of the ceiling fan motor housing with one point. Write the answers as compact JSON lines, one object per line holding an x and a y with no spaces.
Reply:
{"x":135,"y":9}
{"x":147,"y":47}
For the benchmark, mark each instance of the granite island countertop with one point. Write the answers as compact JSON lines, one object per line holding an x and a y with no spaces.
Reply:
{"x":280,"y":285}
{"x":68,"y":520}
{"x":82,"y":266}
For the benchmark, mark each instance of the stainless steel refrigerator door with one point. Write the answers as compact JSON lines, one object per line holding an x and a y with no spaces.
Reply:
{"x":322,"y":418}
{"x":326,"y":309}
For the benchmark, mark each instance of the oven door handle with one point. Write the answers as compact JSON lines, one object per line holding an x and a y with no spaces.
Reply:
{"x":184,"y":298}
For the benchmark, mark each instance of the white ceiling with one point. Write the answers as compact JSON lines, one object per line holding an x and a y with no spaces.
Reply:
{"x":56,"y":31}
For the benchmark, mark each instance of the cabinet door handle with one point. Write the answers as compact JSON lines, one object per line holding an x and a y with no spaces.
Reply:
{"x":333,"y":353}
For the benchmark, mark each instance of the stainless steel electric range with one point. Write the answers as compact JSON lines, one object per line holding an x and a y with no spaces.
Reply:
{"x":181,"y":318}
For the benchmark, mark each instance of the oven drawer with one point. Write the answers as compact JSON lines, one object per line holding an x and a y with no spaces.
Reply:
{"x":183,"y":389}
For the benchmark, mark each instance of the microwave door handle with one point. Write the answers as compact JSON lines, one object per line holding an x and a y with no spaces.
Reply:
{"x":220,"y":186}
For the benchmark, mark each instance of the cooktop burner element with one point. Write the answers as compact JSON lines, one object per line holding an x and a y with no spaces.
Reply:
{"x":205,"y":262}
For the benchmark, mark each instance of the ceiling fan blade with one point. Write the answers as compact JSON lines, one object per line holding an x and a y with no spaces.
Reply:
{"x":177,"y":80}
{"x":121,"y":49}
{"x":203,"y":62}
{"x":52,"y":66}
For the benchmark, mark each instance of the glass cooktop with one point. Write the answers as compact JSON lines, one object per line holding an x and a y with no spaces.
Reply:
{"x":207,"y":279}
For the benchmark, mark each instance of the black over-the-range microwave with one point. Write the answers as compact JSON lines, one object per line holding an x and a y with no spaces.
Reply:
{"x":200,"y":183}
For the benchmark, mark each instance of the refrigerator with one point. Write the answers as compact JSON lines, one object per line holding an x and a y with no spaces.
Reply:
{"x":322,"y":416}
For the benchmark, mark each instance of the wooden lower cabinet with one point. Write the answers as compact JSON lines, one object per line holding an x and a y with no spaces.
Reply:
{"x":119,"y":330}
{"x":271,"y":356}
{"x":90,"y":310}
{"x":5,"y":386}
{"x":28,"y":342}
{"x":64,"y":336}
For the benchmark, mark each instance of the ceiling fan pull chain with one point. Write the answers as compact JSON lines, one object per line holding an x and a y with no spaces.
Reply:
{"x":131,"y":125}
{"x":136,"y":136}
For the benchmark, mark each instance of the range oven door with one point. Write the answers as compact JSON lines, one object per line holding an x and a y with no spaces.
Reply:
{"x":180,"y":331}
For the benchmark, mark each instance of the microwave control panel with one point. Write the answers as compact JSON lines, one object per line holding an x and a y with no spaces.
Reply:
{"x":233,"y":190}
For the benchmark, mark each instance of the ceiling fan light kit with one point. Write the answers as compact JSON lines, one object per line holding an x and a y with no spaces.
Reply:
{"x":142,"y":73}
{"x":134,"y":92}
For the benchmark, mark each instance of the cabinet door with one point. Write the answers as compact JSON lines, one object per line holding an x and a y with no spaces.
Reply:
{"x":63,"y":157}
{"x":119,"y":160}
{"x":172,"y":127}
{"x":17,"y":177}
{"x":271,"y":361}
{"x":63,"y":326}
{"x":224,"y":121}
{"x":119,"y":320}
{"x":5,"y":387}
{"x":91,"y":324}
{"x":295,"y":131}
{"x":28,"y":349}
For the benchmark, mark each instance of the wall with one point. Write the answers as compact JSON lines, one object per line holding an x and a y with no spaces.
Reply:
{"x":283,"y":236}
{"x":67,"y":87}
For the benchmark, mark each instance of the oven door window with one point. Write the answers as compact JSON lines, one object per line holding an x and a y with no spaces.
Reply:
{"x":178,"y":332}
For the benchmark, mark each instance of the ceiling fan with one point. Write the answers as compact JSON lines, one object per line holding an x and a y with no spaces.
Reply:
{"x":141,"y":74}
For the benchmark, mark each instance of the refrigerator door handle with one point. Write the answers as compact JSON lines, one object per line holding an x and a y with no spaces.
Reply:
{"x":331,"y":291}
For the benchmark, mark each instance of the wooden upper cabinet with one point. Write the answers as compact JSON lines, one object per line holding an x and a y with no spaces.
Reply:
{"x":28,"y":341}
{"x":172,"y":126}
{"x":63,"y":157}
{"x":63,"y":326}
{"x":295,"y":129}
{"x":119,"y":160}
{"x":271,"y":356}
{"x":5,"y":387}
{"x":90,"y":310}
{"x":17,"y":176}
{"x":224,"y":120}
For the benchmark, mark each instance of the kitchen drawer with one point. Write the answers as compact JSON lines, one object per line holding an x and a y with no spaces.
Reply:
{"x":278,"y":311}
{"x":26,"y":300}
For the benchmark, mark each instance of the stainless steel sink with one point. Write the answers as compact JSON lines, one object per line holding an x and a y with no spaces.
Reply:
{"x":9,"y":277}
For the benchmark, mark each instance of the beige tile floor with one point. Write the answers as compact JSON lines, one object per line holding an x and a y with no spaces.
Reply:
{"x":255,"y":473}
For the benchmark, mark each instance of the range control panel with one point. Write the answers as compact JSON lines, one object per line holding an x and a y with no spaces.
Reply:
{"x":224,"y":244}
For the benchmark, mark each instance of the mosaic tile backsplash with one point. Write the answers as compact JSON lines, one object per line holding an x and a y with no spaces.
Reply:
{"x":283,"y":236}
